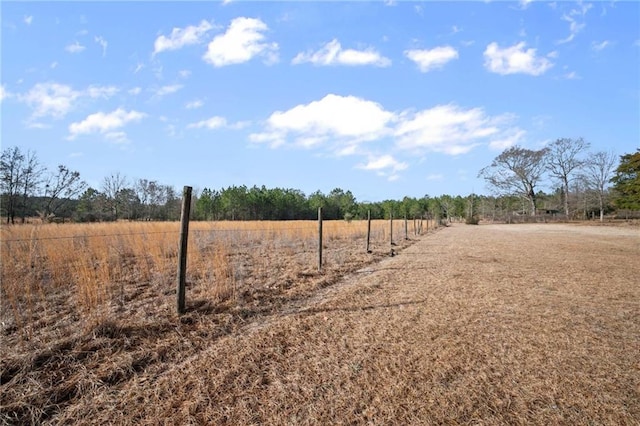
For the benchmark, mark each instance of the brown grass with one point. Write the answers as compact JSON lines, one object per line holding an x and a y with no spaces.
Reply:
{"x":492,"y":324}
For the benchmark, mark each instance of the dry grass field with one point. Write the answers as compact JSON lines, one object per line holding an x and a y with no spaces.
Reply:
{"x":489,"y":324}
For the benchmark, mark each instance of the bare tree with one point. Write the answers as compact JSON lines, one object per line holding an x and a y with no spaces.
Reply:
{"x":563,"y":159}
{"x":11,"y":163}
{"x":517,"y":171}
{"x":111,"y":187}
{"x":60,"y":187}
{"x":597,"y":174}
{"x":30,"y":180}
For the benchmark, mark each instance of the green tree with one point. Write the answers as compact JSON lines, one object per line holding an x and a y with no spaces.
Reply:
{"x":626,"y":182}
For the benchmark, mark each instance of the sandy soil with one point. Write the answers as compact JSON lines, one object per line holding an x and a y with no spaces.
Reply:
{"x":490,"y":324}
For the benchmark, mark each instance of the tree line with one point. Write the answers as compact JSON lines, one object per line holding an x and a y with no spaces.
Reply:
{"x":583,"y":185}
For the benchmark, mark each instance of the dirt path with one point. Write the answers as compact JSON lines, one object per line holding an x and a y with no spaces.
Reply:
{"x":492,"y":324}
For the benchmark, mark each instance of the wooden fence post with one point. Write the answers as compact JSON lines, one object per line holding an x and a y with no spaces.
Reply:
{"x":391,"y":232}
{"x":368,"y":230}
{"x":406,"y":228}
{"x":182,"y":252}
{"x":319,"y":239}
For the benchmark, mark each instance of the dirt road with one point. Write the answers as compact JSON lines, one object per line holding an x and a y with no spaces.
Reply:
{"x":490,"y":324}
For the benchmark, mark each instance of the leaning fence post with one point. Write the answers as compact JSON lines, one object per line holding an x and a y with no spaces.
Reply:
{"x":182,"y":253}
{"x":319,"y":239}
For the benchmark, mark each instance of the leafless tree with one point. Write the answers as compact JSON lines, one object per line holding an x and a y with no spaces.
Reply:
{"x":597,"y":174}
{"x":563,"y":159}
{"x":61,"y":186}
{"x":517,"y":171}
{"x":111,"y":187}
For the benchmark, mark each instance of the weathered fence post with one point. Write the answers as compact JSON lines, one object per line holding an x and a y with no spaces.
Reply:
{"x":391,"y":232}
{"x":182,"y":253}
{"x":406,"y":228}
{"x":319,"y":239}
{"x":368,"y":229}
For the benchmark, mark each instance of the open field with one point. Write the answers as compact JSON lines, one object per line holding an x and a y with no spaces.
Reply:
{"x":490,"y":324}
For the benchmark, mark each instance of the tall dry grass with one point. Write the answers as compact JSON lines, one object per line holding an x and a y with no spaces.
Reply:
{"x":94,"y":270}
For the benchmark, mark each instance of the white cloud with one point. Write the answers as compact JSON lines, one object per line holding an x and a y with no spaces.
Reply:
{"x":508,"y":139}
{"x":101,"y":91}
{"x":575,"y":18}
{"x":3,"y":93}
{"x":515,"y":60}
{"x":383,"y":162}
{"x":243,"y":40}
{"x":194,"y":104}
{"x":167,"y":90}
{"x":385,"y":165}
{"x":571,"y":76}
{"x":135,"y":91}
{"x":53,"y":65}
{"x":107,"y":124}
{"x":181,"y":37}
{"x":332,"y":53}
{"x":214,"y":122}
{"x":102,"y":42}
{"x":600,"y":46}
{"x":446,"y":128}
{"x":139,"y":67}
{"x":50,"y":99}
{"x":75,"y":48}
{"x":345,"y":120}
{"x":348,"y":126}
{"x":428,"y":60}
{"x":184,"y":73}
{"x":28,"y":19}
{"x":435,"y":176}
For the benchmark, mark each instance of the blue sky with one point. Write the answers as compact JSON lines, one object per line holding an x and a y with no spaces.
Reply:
{"x":385,"y":99}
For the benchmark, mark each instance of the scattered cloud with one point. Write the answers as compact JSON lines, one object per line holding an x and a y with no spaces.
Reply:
{"x":575,"y":18}
{"x":340,"y":121}
{"x":101,"y":91}
{"x":385,"y":165}
{"x":515,"y":59}
{"x":3,"y":93}
{"x":28,"y":20}
{"x":167,"y":90}
{"x":102,"y":42}
{"x":181,"y":37}
{"x":135,"y":91}
{"x":75,"y":47}
{"x":108,"y":124}
{"x":332,"y":53}
{"x":600,"y":46}
{"x":435,"y":176}
{"x":139,"y":67}
{"x":50,"y":99}
{"x":571,"y":76}
{"x":243,"y":40}
{"x":194,"y":104}
{"x":448,"y":129}
{"x":510,"y":138}
{"x":430,"y":59}
{"x":53,"y":65}
{"x":523,"y":4}
{"x":214,"y":122}
{"x":348,"y":125}
{"x":55,"y":100}
{"x":184,"y":74}
{"x":455,"y":29}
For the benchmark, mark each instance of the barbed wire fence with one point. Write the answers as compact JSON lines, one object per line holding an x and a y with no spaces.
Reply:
{"x":103,"y":266}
